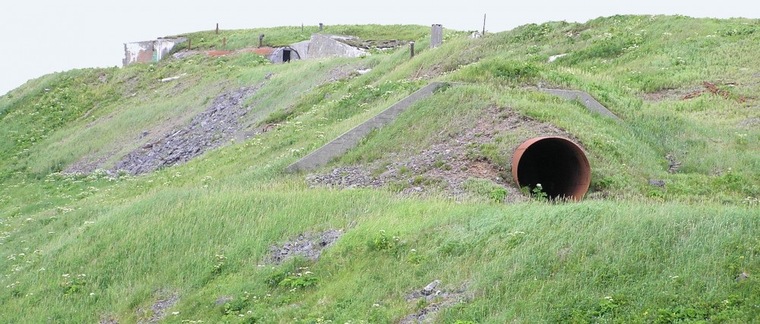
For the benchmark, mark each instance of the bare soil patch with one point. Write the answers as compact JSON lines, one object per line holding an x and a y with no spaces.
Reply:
{"x":711,"y":88}
{"x":693,"y":92}
{"x":670,"y":94}
{"x":87,"y":165}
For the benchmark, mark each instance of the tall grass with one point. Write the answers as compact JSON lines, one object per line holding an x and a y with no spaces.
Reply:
{"x":516,"y":262}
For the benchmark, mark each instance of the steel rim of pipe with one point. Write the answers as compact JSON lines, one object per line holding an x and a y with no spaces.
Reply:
{"x":557,"y":163}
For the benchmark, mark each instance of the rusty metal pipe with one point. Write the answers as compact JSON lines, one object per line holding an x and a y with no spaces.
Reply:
{"x":558,"y":164}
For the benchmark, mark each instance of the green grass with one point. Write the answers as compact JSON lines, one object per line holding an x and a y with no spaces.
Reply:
{"x":515,"y":260}
{"x":283,"y":36}
{"x":100,"y":247}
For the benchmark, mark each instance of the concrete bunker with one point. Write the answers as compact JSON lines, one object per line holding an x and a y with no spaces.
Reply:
{"x":284,"y":55}
{"x":556,"y":163}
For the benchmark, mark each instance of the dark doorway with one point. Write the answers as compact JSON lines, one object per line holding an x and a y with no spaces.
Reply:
{"x":285,"y":55}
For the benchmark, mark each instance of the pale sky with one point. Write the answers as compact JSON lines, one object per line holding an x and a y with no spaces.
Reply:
{"x":44,"y":36}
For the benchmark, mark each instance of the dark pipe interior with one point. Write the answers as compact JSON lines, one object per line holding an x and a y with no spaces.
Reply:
{"x":558,"y":164}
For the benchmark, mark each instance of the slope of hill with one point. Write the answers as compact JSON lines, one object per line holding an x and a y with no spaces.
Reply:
{"x":157,"y":192}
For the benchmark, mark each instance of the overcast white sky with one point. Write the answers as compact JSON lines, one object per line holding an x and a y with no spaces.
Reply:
{"x":38,"y":37}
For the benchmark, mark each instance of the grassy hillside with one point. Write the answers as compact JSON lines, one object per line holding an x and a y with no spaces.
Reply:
{"x":204,"y":241}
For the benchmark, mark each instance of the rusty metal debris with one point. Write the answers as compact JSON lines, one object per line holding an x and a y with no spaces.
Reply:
{"x":713,"y":89}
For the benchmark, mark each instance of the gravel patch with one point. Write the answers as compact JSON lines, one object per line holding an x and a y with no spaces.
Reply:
{"x":750,"y":122}
{"x":308,"y":245}
{"x":217,"y":125}
{"x":673,"y":163}
{"x":158,"y":309}
{"x":435,"y":300}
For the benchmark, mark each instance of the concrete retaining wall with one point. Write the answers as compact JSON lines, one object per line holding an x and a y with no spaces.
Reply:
{"x":348,"y":140}
{"x":585,"y":98}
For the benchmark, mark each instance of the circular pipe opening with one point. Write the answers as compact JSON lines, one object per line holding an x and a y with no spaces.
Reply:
{"x":558,"y":164}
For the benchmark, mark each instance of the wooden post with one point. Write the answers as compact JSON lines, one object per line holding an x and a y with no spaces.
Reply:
{"x":224,"y":42}
{"x":217,"y":28}
{"x":484,"y":25}
{"x":411,"y":49}
{"x":301,"y":28}
{"x":261,"y":40}
{"x":189,"y":44}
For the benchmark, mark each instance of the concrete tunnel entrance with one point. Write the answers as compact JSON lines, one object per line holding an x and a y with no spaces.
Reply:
{"x":286,"y":55}
{"x":558,"y":164}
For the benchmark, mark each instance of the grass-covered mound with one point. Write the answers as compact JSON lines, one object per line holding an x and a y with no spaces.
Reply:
{"x":210,"y":240}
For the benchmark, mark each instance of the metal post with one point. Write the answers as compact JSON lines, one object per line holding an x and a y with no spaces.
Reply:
{"x":411,"y":49}
{"x":217,"y":28}
{"x":321,"y":26}
{"x":261,"y":40}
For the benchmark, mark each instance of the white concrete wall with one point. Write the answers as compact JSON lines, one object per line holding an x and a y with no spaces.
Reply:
{"x":164,"y":46}
{"x":322,"y":46}
{"x":149,"y":51}
{"x":137,"y":51}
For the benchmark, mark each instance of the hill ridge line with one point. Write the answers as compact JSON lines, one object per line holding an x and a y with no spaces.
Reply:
{"x":351,"y":138}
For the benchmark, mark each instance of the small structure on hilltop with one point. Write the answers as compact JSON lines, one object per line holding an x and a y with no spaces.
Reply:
{"x":149,"y":51}
{"x":318,"y":46}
